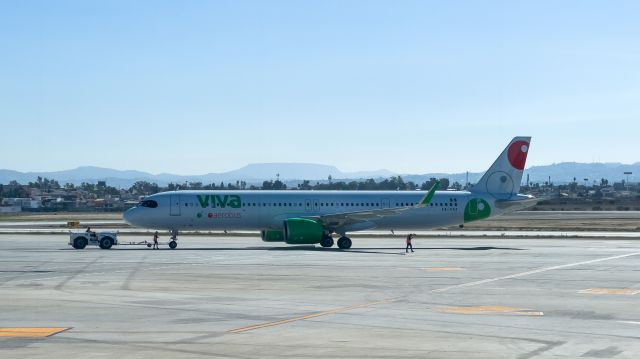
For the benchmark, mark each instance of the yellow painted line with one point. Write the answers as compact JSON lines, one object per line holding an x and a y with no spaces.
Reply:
{"x":30,"y":332}
{"x":615,"y":291}
{"x":488,"y":309}
{"x":309,"y":316}
{"x":443,"y":269}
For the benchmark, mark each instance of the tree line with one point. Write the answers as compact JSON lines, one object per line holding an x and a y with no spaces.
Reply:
{"x":145,"y":188}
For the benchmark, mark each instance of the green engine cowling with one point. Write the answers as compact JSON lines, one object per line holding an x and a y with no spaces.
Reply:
{"x":302,"y":231}
{"x":272,"y":236}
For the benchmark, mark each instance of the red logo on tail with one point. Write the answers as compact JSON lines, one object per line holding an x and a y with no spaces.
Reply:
{"x":518,"y":154}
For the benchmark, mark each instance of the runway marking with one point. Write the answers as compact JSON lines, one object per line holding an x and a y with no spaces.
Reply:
{"x":615,"y":291}
{"x":309,"y":316}
{"x":628,"y":322}
{"x":30,"y":332}
{"x":488,"y":309}
{"x":535,"y":271}
{"x":443,"y":269}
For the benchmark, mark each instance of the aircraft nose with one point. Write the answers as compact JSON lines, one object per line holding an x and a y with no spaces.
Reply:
{"x":130,"y":216}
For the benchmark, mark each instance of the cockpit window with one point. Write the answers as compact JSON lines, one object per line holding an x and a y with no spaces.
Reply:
{"x":149,"y":203}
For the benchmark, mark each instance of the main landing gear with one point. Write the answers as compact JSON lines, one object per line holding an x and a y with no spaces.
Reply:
{"x":326,"y":241}
{"x":344,"y":242}
{"x":174,"y":237}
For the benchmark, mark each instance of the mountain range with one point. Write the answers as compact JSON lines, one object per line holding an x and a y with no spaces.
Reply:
{"x":252,"y":174}
{"x":293,"y":173}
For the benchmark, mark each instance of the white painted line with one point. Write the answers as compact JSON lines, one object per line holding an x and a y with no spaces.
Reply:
{"x":628,"y":322}
{"x":540,"y":270}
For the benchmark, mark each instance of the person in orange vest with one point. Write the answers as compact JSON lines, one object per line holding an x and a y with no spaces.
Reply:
{"x":409,"y":245}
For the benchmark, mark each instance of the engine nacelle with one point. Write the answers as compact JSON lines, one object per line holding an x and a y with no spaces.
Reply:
{"x":302,"y":231}
{"x":272,"y":236}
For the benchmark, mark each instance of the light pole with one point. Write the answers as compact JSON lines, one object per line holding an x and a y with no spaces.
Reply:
{"x":586,"y":190}
{"x":628,"y":174}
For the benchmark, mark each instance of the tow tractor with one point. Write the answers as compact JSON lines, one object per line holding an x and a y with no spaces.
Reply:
{"x":105,"y":240}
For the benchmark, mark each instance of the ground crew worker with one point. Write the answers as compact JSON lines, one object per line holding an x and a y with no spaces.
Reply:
{"x":90,"y":233}
{"x":155,"y":241}
{"x":409,"y":245}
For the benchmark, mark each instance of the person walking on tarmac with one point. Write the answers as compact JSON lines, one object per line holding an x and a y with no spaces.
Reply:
{"x":409,"y":245}
{"x":155,"y":240}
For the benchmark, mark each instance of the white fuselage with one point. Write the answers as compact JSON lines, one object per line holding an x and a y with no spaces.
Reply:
{"x":259,"y":210}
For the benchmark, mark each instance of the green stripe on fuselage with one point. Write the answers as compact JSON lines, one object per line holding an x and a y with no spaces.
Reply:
{"x":429,"y":196}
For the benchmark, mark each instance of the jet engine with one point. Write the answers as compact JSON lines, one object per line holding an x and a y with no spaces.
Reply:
{"x":302,"y":231}
{"x":272,"y":236}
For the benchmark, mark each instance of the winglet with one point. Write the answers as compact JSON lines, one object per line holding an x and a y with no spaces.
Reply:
{"x":427,"y":197}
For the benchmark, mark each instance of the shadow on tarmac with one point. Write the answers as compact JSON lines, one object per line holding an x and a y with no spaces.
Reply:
{"x":365,"y":250}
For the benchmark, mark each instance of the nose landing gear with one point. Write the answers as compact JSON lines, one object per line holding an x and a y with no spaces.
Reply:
{"x":174,"y":237}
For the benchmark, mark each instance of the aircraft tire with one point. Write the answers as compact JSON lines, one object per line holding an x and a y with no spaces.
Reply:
{"x":326,"y":242}
{"x":344,"y":243}
{"x":173,"y":244}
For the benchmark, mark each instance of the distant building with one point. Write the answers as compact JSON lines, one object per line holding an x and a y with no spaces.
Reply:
{"x":24,"y":203}
{"x":608,"y":192}
{"x":619,"y":186}
{"x":10,"y":209}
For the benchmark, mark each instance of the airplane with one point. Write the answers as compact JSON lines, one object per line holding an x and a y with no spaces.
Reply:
{"x":312,"y":217}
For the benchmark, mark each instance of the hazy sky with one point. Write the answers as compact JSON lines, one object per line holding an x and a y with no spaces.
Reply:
{"x":192,"y":87}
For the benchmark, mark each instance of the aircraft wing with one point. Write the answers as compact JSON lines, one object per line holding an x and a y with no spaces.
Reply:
{"x":336,"y":220}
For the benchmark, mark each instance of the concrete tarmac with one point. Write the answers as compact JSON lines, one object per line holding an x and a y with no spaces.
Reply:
{"x":242,"y":298}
